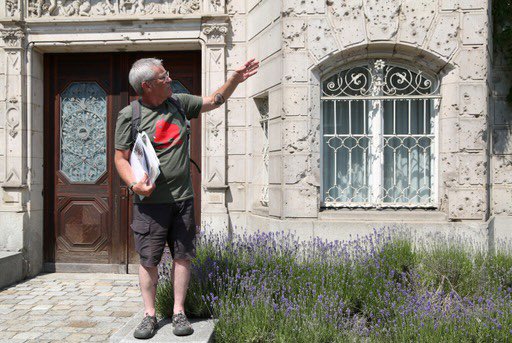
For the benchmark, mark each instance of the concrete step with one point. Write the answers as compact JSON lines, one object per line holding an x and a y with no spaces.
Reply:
{"x":203,"y":332}
{"x":11,"y":267}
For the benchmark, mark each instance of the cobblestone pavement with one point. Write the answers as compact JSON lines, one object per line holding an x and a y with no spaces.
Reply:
{"x":65,"y":307}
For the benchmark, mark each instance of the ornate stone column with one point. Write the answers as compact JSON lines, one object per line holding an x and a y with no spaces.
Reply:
{"x":12,"y":101}
{"x":214,"y":210}
{"x":13,"y":191}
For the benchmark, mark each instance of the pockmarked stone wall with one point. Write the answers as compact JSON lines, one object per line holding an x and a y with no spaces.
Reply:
{"x":446,"y":38}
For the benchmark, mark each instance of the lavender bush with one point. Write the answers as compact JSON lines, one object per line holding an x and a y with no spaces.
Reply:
{"x":269,"y":287}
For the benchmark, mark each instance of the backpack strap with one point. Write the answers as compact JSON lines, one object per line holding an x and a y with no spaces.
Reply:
{"x":136,"y":112}
{"x":177,"y":103}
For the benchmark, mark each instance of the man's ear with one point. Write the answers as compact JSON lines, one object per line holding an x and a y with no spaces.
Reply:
{"x":145,"y":85}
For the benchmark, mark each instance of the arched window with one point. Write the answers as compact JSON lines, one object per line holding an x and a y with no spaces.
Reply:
{"x":379,"y":136}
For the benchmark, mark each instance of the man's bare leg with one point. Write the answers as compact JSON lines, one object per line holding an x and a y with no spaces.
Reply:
{"x":180,"y":278}
{"x":148,"y":279}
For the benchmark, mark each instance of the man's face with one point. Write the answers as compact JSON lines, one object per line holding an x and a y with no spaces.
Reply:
{"x":160,"y":84}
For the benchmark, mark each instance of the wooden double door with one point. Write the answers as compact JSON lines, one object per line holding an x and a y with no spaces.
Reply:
{"x":87,"y":206}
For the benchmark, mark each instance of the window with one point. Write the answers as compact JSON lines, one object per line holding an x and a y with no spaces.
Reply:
{"x":262,"y":106}
{"x":378,"y":137}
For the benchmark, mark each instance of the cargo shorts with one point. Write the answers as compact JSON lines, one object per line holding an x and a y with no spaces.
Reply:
{"x":154,"y":225}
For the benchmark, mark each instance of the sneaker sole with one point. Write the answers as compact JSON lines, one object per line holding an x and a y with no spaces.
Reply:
{"x":183,"y":333}
{"x":144,"y":337}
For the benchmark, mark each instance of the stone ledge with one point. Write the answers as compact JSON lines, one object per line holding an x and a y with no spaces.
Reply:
{"x":203,"y":332}
{"x":11,"y":265}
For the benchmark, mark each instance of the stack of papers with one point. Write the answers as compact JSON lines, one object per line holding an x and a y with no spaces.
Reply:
{"x":143,"y":159}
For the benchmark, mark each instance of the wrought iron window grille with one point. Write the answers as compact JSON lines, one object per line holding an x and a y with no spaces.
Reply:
{"x":379,"y":137}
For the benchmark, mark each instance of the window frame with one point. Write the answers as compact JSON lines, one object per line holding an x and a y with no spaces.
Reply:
{"x":376,"y":197}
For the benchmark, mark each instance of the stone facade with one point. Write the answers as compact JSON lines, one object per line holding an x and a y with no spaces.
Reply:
{"x":261,"y":151}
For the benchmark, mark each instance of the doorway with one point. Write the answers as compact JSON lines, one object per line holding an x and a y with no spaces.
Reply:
{"x":87,"y":206}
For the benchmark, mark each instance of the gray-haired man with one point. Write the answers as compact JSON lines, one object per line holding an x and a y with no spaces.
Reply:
{"x":166,"y":214}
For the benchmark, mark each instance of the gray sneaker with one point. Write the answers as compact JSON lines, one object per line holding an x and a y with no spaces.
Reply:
{"x":181,"y":325}
{"x":147,"y":328}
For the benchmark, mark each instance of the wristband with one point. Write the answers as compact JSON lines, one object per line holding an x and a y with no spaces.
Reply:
{"x":130,"y":187}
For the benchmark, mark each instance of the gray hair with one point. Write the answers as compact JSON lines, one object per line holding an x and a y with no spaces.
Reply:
{"x":143,"y":70}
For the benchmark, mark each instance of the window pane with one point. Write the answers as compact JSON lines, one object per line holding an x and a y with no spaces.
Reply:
{"x":342,"y":117}
{"x":328,"y":176}
{"x":389,"y":119}
{"x":328,"y":117}
{"x":417,"y":117}
{"x":402,"y":117}
{"x":359,"y":118}
{"x":429,"y":114}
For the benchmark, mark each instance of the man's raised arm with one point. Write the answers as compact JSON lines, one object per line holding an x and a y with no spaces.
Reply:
{"x":224,"y":92}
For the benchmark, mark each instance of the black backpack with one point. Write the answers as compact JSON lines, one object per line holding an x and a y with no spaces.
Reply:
{"x":136,"y":113}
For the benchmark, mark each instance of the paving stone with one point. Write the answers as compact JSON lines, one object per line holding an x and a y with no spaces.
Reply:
{"x":57,"y":336}
{"x":45,"y":307}
{"x":97,"y":331}
{"x":99,"y":313}
{"x":28,"y":302}
{"x":8,"y":334}
{"x":69,"y":329}
{"x":122,"y":314}
{"x":27,"y":335}
{"x":7,"y":291}
{"x":45,"y":329}
{"x":81,"y":324}
{"x":61,"y":307}
{"x":99,"y":338}
{"x":10,"y":301}
{"x":78,"y":337}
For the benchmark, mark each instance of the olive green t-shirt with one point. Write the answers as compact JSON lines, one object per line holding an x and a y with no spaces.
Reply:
{"x":167,"y":130}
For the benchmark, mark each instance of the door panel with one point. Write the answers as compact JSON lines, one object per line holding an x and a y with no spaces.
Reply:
{"x":81,"y":171}
{"x":87,"y":209}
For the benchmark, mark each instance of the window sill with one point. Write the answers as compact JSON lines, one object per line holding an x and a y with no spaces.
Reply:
{"x":260,"y":210}
{"x":393,"y":215}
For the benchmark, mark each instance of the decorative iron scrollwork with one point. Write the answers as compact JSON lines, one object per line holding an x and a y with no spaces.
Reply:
{"x":380,"y":79}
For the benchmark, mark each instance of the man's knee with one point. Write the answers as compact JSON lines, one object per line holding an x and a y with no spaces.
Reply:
{"x":149,"y":267}
{"x":184,"y":262}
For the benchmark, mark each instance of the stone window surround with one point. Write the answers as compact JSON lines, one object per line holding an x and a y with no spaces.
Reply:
{"x":417,"y":58}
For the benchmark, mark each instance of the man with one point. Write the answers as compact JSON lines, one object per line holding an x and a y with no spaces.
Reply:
{"x":166,"y":213}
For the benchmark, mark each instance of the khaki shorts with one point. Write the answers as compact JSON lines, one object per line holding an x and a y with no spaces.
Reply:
{"x":156,"y":224}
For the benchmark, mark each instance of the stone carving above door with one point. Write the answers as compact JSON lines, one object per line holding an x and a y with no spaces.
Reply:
{"x":12,"y":36}
{"x":12,"y":8}
{"x":93,"y":8}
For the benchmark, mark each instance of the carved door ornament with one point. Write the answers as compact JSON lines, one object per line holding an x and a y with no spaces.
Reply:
{"x":12,"y":37}
{"x":11,"y":8}
{"x":83,"y":132}
{"x":86,"y":8}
